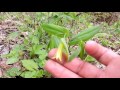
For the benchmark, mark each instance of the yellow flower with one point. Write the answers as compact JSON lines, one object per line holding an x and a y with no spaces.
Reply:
{"x":58,"y":55}
{"x":62,"y":51}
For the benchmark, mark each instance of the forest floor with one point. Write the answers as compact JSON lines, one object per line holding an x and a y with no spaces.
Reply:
{"x":10,"y":25}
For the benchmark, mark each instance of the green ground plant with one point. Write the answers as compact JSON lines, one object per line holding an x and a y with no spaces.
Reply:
{"x":44,"y":31}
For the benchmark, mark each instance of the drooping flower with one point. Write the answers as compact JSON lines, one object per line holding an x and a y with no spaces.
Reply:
{"x":62,"y":52}
{"x":58,"y":55}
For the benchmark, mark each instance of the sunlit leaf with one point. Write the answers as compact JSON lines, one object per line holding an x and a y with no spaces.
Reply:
{"x":12,"y":60}
{"x":85,"y":35}
{"x":56,"y":30}
{"x":30,"y":65}
{"x":13,"y":72}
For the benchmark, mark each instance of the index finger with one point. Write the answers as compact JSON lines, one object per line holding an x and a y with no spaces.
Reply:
{"x":59,"y":71}
{"x":101,"y":53}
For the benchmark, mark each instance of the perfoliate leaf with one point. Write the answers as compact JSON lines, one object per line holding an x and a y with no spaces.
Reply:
{"x":56,"y":30}
{"x":85,"y":35}
{"x":30,"y":65}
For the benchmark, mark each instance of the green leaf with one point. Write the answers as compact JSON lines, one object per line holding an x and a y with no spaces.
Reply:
{"x":56,"y":30}
{"x":33,"y":74}
{"x":28,"y":74}
{"x":43,"y":54}
{"x":74,"y":54}
{"x":41,"y":63}
{"x":39,"y":29}
{"x":12,"y":60}
{"x":66,"y":18}
{"x":42,"y":57}
{"x":117,"y":30}
{"x":82,"y":51}
{"x":54,"y":42}
{"x":26,"y":42}
{"x":30,"y":65}
{"x":65,"y":45}
{"x":85,"y":35}
{"x":101,"y":35}
{"x":35,"y":40}
{"x":13,"y":72}
{"x":39,"y":74}
{"x":47,"y":74}
{"x":89,"y":58}
{"x":105,"y":42}
{"x":37,"y":49}
{"x":71,"y":14}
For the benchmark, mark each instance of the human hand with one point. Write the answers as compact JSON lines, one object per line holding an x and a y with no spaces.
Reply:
{"x":80,"y":69}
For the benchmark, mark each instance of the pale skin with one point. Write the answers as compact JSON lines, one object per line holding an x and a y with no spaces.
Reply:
{"x":80,"y":69}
